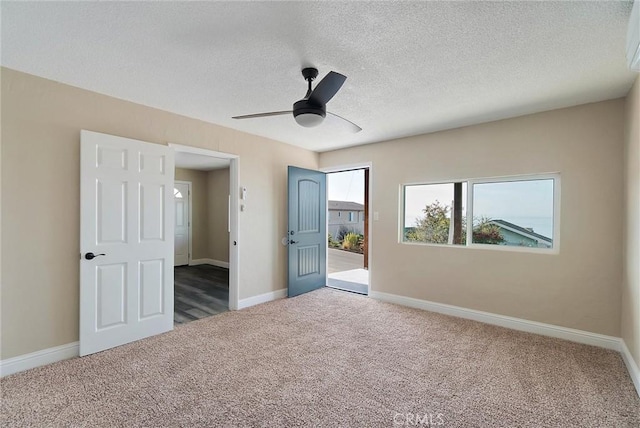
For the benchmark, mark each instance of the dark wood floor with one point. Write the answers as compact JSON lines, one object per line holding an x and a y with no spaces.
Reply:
{"x":200,"y":291}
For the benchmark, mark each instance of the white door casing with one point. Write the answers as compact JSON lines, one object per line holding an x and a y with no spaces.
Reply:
{"x":126,"y":213}
{"x":373,"y":216}
{"x":234,"y":216}
{"x":182,"y":236}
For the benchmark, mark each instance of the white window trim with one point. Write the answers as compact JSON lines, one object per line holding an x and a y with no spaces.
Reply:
{"x":470,"y":182}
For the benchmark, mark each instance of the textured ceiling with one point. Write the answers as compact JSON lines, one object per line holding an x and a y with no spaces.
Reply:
{"x":412,"y":67}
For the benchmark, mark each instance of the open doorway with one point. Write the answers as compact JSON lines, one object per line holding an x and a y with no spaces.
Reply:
{"x":348,"y":230}
{"x":203,"y":259}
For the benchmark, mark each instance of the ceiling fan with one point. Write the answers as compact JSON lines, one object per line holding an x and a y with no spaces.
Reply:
{"x":312,"y":109}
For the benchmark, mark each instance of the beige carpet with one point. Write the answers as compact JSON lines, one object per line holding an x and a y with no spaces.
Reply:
{"x":330,"y":358}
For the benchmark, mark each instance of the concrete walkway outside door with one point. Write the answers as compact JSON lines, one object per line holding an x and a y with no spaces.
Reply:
{"x":346,"y":271}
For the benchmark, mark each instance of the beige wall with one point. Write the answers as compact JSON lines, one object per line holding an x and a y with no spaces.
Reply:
{"x":41,"y":126}
{"x":199,"y":210}
{"x":630,"y":320}
{"x":578,"y":288}
{"x":218,"y":214}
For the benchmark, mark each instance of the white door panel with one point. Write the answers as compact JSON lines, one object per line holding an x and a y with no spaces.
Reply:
{"x":126,"y":213}
{"x":111,"y":205}
{"x":151,"y":288}
{"x":111,"y":293}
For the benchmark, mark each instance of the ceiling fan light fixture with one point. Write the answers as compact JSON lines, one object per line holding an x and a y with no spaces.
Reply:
{"x":309,"y":120}
{"x":308,"y":114}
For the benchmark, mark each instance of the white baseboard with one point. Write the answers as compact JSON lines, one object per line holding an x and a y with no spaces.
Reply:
{"x":634,"y":371}
{"x":573,"y":335}
{"x":213,"y":262}
{"x":38,"y":358}
{"x":262,"y":298}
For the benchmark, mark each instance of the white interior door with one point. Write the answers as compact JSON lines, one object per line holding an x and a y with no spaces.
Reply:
{"x":126,"y":240}
{"x":182,"y":199}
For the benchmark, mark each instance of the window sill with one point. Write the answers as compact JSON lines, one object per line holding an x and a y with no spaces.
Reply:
{"x":513,"y":249}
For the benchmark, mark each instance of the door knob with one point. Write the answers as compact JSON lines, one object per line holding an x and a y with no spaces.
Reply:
{"x":91,"y":256}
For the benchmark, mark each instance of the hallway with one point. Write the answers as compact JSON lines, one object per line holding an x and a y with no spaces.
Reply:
{"x":199,"y":292}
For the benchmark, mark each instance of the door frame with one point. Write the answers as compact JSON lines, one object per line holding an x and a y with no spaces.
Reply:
{"x":190,"y":220}
{"x":234,"y":215}
{"x":349,"y":167}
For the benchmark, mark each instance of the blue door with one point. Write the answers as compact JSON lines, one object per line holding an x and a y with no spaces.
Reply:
{"x":307,"y":230}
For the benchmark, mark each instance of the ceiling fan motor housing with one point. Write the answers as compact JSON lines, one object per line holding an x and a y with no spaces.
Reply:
{"x":308,"y":114}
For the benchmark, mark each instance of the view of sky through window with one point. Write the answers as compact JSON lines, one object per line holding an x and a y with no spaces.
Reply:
{"x":346,"y":186}
{"x":516,"y":212}
{"x":528,"y":204}
{"x":417,"y":197}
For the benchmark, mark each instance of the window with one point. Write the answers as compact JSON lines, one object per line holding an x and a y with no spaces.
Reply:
{"x":428,"y":212}
{"x":508,"y":212}
{"x":353,"y":216}
{"x":514,"y":213}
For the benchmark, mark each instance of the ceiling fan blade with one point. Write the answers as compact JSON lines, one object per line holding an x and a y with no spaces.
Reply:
{"x":272,"y":113}
{"x":327,"y":88}
{"x":343,"y":122}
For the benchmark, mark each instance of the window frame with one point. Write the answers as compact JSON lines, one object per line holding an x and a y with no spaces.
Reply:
{"x":555,"y":176}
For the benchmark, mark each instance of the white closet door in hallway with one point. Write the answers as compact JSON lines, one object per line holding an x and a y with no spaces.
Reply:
{"x":182,"y":197}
